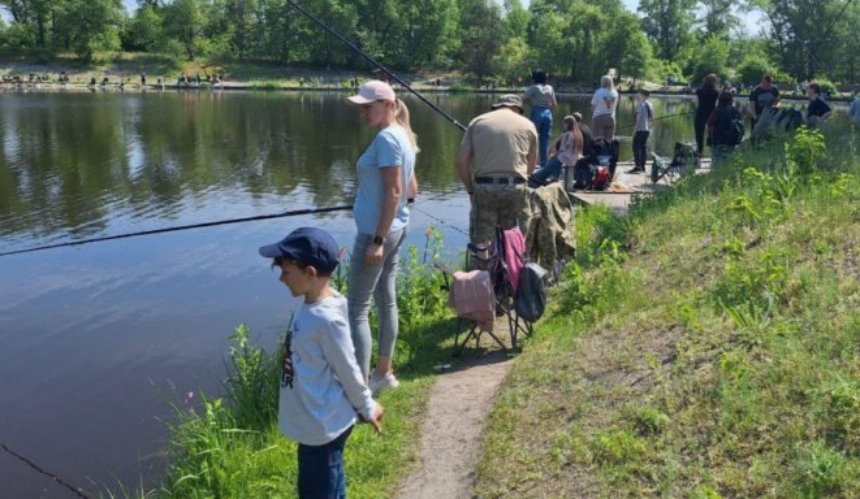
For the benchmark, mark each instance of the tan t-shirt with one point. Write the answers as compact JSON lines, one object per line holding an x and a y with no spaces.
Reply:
{"x":501,"y":141}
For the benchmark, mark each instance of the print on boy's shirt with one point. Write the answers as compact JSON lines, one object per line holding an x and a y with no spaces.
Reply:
{"x":288,"y":372}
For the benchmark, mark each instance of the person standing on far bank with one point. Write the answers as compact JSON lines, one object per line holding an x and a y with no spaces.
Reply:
{"x":543,"y":100}
{"x":642,"y":130}
{"x":706,"y":102}
{"x":764,"y":96}
{"x":604,"y":103}
{"x":497,"y":155}
{"x":386,"y":173}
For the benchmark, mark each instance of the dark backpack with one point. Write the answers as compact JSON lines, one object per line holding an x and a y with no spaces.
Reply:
{"x":731,"y":127}
{"x":531,"y":295}
{"x":685,"y":155}
{"x":582,"y":174}
{"x":736,"y":131}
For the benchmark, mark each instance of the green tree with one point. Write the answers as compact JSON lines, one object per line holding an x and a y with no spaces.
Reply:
{"x":428,"y":29}
{"x":637,"y":60}
{"x":810,"y":35}
{"x":580,"y":39}
{"x":512,"y":61}
{"x":242,"y":28}
{"x":278,"y":38}
{"x":481,"y":35}
{"x":144,"y":30}
{"x":517,"y":18}
{"x":626,"y":47}
{"x":668,"y":23}
{"x":713,"y":57}
{"x":718,"y":18}
{"x":183,"y":22}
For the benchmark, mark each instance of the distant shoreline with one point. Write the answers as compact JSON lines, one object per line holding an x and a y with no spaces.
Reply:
{"x":251,"y":86}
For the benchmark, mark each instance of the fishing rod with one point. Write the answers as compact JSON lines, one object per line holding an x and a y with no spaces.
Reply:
{"x":373,"y":61}
{"x":74,"y":490}
{"x":687,"y":113}
{"x":163,"y":230}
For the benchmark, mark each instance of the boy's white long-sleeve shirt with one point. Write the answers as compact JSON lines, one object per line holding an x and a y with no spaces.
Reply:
{"x":321,"y":385}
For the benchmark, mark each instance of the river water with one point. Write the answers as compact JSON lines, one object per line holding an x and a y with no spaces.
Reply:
{"x":98,"y":340}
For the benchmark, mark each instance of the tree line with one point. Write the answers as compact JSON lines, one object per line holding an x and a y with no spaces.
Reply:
{"x":575,"y":40}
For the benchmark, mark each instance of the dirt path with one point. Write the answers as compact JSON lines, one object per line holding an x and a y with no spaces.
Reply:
{"x":451,"y":431}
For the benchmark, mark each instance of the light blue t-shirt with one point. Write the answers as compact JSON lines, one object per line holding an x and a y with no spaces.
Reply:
{"x":391,"y":147}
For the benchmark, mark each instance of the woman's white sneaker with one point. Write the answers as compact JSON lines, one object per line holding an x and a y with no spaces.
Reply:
{"x":378,"y":385}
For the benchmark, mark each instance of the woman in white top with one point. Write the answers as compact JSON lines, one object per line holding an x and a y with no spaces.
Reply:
{"x":604,"y":103}
{"x":542,"y":98}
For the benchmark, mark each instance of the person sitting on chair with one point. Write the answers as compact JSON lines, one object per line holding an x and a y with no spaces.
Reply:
{"x":568,"y":150}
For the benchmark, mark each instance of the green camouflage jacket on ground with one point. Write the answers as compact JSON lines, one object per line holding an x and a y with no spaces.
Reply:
{"x":550,"y":235}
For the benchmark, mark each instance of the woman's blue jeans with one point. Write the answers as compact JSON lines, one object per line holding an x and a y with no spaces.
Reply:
{"x":542,"y":118}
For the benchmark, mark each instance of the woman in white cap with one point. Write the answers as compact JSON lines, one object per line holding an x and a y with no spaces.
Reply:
{"x":386,"y":179}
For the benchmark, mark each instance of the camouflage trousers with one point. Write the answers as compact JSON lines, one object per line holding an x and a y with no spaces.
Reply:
{"x":498,"y":205}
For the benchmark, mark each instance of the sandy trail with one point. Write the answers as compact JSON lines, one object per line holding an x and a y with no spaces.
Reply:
{"x":452,"y":428}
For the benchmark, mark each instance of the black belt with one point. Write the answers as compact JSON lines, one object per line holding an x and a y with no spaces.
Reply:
{"x":500,"y":180}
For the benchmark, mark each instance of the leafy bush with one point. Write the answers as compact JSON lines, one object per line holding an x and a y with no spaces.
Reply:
{"x":754,"y":66}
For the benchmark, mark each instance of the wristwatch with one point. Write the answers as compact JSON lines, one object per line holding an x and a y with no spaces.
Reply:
{"x":378,"y":240}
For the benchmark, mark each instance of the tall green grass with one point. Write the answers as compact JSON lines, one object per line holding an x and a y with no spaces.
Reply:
{"x":229,"y":445}
{"x":705,"y":346}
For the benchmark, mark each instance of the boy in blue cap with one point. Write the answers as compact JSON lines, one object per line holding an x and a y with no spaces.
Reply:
{"x":322,"y":387}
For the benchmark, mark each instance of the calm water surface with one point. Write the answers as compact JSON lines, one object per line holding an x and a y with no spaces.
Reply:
{"x":97,"y":340}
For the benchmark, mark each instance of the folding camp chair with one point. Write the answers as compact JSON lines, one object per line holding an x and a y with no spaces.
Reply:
{"x":468,"y":324}
{"x":493,"y":260}
{"x":682,"y":163}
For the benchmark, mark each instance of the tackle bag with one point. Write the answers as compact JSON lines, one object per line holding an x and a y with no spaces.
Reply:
{"x":602,"y":178}
{"x":531,"y":295}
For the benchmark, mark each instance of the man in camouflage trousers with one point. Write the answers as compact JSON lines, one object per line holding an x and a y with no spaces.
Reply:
{"x":498,"y":153}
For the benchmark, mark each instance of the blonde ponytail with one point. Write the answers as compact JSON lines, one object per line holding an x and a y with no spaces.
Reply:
{"x":401,"y":116}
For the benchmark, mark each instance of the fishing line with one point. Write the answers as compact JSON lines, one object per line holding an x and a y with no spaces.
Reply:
{"x":163,"y":230}
{"x":674,"y":115}
{"x":376,"y":63}
{"x":75,"y":490}
{"x":230,"y":221}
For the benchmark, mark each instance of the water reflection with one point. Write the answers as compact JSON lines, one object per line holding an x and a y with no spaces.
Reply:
{"x":74,"y":165}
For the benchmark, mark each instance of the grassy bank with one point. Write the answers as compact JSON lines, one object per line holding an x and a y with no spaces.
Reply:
{"x":228,"y":444}
{"x":707,"y":346}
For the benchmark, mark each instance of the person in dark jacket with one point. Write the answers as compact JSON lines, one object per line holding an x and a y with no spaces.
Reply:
{"x":764,"y":96}
{"x":818,"y":110}
{"x":723,"y":129}
{"x":587,"y":134}
{"x":706,"y":102}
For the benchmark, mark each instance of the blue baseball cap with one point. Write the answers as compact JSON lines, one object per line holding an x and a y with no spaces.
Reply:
{"x":307,"y":246}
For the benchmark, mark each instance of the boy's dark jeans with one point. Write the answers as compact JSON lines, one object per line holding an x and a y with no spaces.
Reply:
{"x":640,"y":149}
{"x":321,"y":471}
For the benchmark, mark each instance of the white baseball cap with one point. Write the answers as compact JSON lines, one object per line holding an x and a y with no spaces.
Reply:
{"x":373,"y":91}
